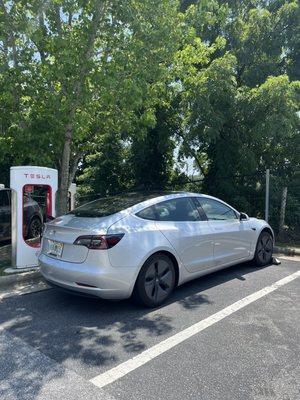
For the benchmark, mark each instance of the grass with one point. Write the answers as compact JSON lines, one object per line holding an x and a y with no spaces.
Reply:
{"x":289,"y":245}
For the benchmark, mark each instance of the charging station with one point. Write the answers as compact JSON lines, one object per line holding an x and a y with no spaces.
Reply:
{"x":33,"y":202}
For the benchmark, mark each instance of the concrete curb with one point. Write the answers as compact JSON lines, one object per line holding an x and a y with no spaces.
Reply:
{"x":288,"y":251}
{"x":17,"y":278}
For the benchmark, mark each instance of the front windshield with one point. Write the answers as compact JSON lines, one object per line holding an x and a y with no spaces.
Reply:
{"x":110,"y":205}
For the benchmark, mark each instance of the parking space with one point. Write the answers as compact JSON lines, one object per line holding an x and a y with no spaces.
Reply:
{"x":253,"y":354}
{"x":54,"y":343}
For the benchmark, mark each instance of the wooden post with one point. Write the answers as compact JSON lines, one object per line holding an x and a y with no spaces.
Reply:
{"x":267,"y":195}
{"x":282,"y":210}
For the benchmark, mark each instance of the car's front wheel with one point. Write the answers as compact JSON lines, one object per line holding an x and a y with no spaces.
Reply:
{"x":264,"y":249}
{"x":155,"y":281}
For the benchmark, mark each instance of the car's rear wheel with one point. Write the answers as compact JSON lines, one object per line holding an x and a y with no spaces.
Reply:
{"x":264,"y":249}
{"x":155,"y":281}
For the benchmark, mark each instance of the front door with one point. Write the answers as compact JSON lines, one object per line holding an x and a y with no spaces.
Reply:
{"x":232,"y":237}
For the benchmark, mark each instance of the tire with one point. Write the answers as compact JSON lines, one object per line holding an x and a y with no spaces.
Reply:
{"x":155,"y":281}
{"x":264,"y":249}
{"x":35,"y":228}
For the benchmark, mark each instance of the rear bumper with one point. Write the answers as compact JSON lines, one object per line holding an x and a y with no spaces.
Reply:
{"x":103,"y":281}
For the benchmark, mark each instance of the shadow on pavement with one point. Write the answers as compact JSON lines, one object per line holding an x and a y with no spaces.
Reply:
{"x":83,"y":333}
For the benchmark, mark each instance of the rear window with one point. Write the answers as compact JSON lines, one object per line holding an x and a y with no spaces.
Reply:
{"x":147,"y":213}
{"x":113,"y":204}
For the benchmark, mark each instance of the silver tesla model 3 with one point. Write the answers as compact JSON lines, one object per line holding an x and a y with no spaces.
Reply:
{"x":147,"y":244}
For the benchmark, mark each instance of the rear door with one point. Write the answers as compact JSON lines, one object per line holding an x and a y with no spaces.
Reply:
{"x":187,"y":231}
{"x":232,"y":237}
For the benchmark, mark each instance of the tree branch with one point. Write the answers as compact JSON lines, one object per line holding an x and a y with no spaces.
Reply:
{"x":57,"y":18}
{"x":89,"y":50}
{"x":11,"y":38}
{"x":193,"y":153}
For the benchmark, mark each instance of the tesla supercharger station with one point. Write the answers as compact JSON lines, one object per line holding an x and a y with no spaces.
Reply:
{"x":33,"y":201}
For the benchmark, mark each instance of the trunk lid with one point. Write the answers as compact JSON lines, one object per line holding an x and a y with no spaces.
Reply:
{"x":66,"y":230}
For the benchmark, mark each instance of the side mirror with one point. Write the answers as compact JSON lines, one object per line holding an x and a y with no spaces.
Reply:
{"x":243,"y":217}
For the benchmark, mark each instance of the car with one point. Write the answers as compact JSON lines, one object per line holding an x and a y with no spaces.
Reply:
{"x":145,"y":244}
{"x":33,"y":218}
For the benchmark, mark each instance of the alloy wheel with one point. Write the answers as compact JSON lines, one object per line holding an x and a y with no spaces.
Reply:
{"x":265,"y":248}
{"x":158,"y":280}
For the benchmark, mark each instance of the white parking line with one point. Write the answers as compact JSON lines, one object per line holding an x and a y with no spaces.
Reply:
{"x":167,"y":344}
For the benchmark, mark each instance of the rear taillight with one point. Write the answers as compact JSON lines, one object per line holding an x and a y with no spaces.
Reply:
{"x":99,"y":242}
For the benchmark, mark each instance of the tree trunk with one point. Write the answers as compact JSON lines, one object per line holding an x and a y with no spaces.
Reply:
{"x":73,"y":167}
{"x":62,"y":193}
{"x":67,"y":171}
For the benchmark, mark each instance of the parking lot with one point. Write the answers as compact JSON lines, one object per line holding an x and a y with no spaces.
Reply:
{"x":57,"y":346}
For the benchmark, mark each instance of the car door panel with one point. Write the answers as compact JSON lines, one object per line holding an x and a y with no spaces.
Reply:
{"x":232,"y":237}
{"x":232,"y":240}
{"x":193,"y":242}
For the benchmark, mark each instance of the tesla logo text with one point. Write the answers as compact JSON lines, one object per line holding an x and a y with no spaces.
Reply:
{"x":37,"y":176}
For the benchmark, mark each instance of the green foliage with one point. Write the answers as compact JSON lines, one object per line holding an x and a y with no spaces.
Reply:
{"x":69,"y":66}
{"x":105,"y":170}
{"x":239,"y":97}
{"x":118,"y":90}
{"x":152,"y":154}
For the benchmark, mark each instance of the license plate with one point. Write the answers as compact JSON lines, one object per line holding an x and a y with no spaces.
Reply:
{"x":55,"y":248}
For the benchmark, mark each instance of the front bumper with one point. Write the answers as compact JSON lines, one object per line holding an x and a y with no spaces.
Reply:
{"x":103,"y":281}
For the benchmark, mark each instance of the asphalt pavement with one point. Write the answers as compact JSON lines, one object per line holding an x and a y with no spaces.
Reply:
{"x":53,"y":345}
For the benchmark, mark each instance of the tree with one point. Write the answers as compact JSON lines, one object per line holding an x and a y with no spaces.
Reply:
{"x":145,"y":162}
{"x":81,"y":63}
{"x":238,"y":118}
{"x":152,"y":153}
{"x":112,"y":87}
{"x":105,"y":170}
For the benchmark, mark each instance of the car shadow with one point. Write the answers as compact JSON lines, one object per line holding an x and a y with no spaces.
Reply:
{"x":91,"y":334}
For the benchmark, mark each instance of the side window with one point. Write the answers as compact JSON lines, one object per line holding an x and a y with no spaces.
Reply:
{"x":215,"y":210}
{"x":147,"y":213}
{"x":4,"y":199}
{"x":202,"y":214}
{"x":181,"y":209}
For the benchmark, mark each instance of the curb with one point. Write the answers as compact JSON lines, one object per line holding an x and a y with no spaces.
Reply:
{"x":288,"y":251}
{"x":21,"y":277}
